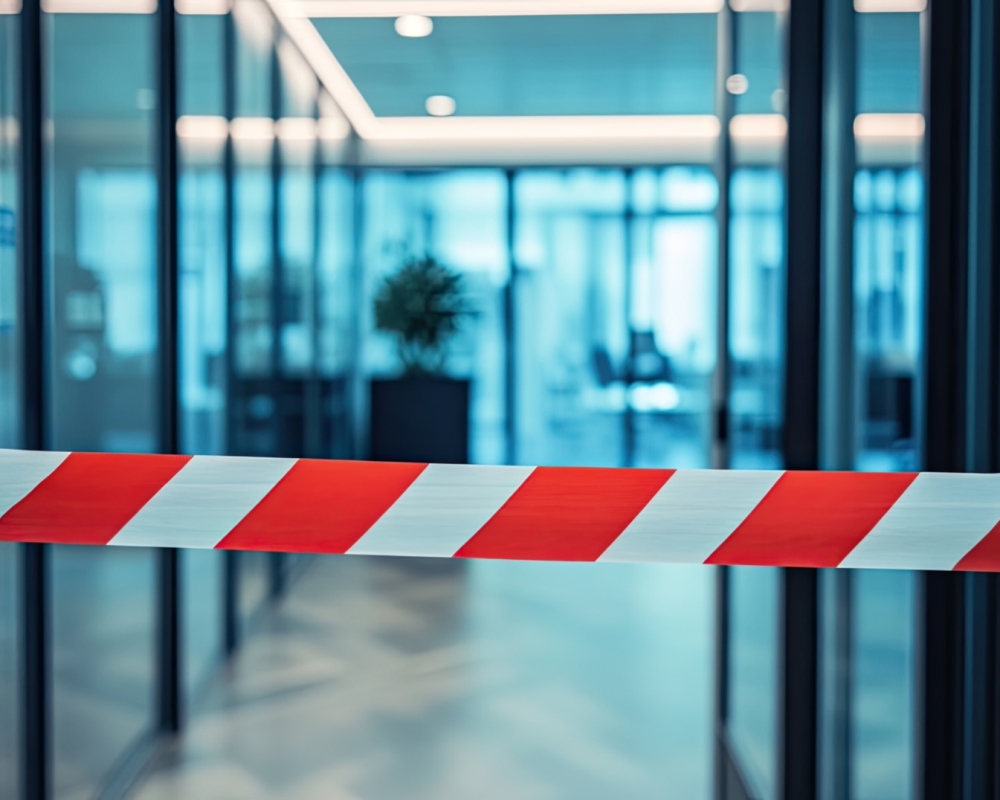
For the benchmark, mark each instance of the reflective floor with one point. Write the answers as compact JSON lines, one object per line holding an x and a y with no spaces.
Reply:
{"x":445,"y":680}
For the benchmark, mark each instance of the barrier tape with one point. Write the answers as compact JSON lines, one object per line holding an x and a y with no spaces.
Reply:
{"x":921,"y":521}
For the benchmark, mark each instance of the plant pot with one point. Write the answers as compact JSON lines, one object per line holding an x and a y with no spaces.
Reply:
{"x":420,"y":419}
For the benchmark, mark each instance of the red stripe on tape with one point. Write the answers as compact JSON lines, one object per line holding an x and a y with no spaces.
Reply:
{"x":322,"y":506}
{"x":812,"y":519}
{"x":985,"y":556}
{"x":565,"y":514}
{"x":88,"y":498}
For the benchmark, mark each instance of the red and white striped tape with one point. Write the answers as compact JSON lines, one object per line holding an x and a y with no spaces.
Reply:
{"x":924,"y":521}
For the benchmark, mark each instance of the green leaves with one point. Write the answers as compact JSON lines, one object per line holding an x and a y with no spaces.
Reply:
{"x":422,"y":305}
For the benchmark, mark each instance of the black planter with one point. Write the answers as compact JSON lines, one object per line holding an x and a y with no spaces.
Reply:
{"x":420,"y":419}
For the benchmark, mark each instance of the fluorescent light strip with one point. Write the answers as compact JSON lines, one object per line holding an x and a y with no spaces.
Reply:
{"x":747,"y":128}
{"x":10,"y":7}
{"x":888,"y":126}
{"x":758,"y":127}
{"x":99,"y":6}
{"x":890,"y":6}
{"x":759,"y":5}
{"x":495,"y":8}
{"x":327,"y":68}
{"x":688,"y":126}
{"x":202,"y":128}
{"x":202,"y":7}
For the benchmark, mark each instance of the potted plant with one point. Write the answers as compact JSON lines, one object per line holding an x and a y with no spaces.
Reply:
{"x":423,"y":415}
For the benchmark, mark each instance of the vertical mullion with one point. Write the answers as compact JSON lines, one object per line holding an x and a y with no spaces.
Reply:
{"x":798,"y":629}
{"x":725,"y":65}
{"x":720,"y":456}
{"x":942,"y":602}
{"x":34,"y":668}
{"x":983,"y":402}
{"x":168,"y":656}
{"x":230,"y":575}
{"x":279,"y":383}
{"x":628,"y":418}
{"x":509,"y":324}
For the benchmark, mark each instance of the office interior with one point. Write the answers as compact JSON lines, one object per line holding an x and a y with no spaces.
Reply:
{"x":754,"y":234}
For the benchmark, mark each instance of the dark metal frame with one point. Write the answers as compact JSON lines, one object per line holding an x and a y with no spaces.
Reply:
{"x":35,"y":631}
{"x":941,"y":609}
{"x":231,"y":562}
{"x":168,"y":606}
{"x":798,"y":630}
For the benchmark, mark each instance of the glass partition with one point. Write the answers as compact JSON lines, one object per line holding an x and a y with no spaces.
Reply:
{"x":102,"y":354}
{"x":202,"y":316}
{"x":752,"y":731}
{"x":458,"y":217}
{"x":10,"y":386}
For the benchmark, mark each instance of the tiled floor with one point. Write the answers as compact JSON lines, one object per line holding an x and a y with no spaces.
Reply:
{"x":388,"y":679}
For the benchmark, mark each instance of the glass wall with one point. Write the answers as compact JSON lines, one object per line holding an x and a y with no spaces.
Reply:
{"x":753,"y":676}
{"x":459,"y":218}
{"x":756,"y":346}
{"x":9,"y":695}
{"x":614,"y":315}
{"x":102,"y":356}
{"x":888,"y":287}
{"x":202,"y":331}
{"x":9,"y":389}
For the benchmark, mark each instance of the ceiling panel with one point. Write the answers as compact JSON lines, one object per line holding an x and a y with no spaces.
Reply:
{"x":533,"y":66}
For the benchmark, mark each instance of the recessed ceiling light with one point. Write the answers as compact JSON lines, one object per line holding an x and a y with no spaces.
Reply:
{"x":414,"y":26}
{"x":440,"y":105}
{"x":737,"y":84}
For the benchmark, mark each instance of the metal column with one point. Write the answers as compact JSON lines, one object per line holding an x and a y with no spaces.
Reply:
{"x":509,"y":326}
{"x":725,"y":61}
{"x":982,"y":651}
{"x":797,"y":719}
{"x":168,"y":654}
{"x":276,"y":561}
{"x":34,"y":557}
{"x":231,"y":562}
{"x":941,"y":617}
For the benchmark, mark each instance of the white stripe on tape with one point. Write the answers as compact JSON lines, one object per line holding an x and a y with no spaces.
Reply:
{"x":459,"y":499}
{"x":22,"y":471}
{"x":692,"y":514}
{"x":938,"y":519}
{"x":203,"y":502}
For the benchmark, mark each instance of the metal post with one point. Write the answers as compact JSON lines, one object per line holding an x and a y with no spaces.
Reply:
{"x":941,"y":609}
{"x":982,"y":669}
{"x":628,"y":418}
{"x":839,"y":394}
{"x":277,"y":266}
{"x":726,"y":49}
{"x":169,"y":671}
{"x":797,"y":768}
{"x":726,"y":59}
{"x":278,"y":388}
{"x":34,"y":557}
{"x":231,"y":572}
{"x":509,"y":325}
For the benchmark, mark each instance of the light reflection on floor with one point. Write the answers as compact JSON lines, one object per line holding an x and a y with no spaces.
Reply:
{"x":440,"y":680}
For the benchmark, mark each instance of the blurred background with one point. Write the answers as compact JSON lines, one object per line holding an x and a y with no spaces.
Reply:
{"x":683,"y":233}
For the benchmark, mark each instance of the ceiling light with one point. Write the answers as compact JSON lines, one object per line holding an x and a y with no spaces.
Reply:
{"x":498,"y":8}
{"x":737,"y":84}
{"x":440,"y":105}
{"x":889,"y":6}
{"x":414,"y":26}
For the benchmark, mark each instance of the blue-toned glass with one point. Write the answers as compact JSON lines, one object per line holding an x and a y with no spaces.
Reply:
{"x":756,"y":315}
{"x":753,"y":675}
{"x":102,"y":351}
{"x":10,"y":388}
{"x":459,"y":217}
{"x":202,"y":319}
